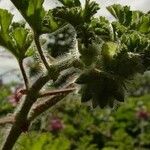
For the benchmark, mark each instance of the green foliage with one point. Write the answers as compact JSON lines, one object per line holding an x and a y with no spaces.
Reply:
{"x":101,"y":27}
{"x":43,"y":141}
{"x":70,"y":3}
{"x":90,"y":10}
{"x":74,"y":14}
{"x":102,"y":88}
{"x":99,"y":129}
{"x":5,"y":106}
{"x":32,"y":11}
{"x":17,"y":40}
{"x":122,"y":53}
{"x":123,"y":14}
{"x":134,"y":20}
{"x":140,"y":85}
{"x":89,"y":55}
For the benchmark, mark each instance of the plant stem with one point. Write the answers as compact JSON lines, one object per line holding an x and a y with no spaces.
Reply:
{"x":41,"y":107}
{"x":55,"y":92}
{"x":37,"y":42}
{"x":21,"y":116}
{"x":6,"y":120}
{"x":24,"y":74}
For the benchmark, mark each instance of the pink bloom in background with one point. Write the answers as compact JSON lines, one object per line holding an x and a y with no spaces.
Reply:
{"x":16,"y":96}
{"x":143,"y":114}
{"x":56,"y":124}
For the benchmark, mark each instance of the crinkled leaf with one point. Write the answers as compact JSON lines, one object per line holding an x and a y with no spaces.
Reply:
{"x":32,"y":11}
{"x":122,"y":13}
{"x":77,"y":15}
{"x":90,"y":10}
{"x":5,"y":39}
{"x":144,"y":24}
{"x":135,"y":20}
{"x":118,"y":29}
{"x":21,"y":41}
{"x":20,"y":35}
{"x":89,"y":76}
{"x":49,"y":23}
{"x":119,"y":94}
{"x":5,"y":20}
{"x":135,"y":42}
{"x":71,"y":15}
{"x":86,"y":93}
{"x":101,"y":27}
{"x":70,"y":3}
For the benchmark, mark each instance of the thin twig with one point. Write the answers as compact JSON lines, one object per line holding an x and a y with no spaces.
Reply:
{"x":24,"y":74}
{"x":43,"y":58}
{"x":55,"y":92}
{"x":39,"y":108}
{"x":7,"y":120}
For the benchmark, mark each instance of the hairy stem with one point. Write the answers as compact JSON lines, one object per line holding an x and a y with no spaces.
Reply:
{"x":21,"y":116}
{"x":6,"y":120}
{"x":38,"y":45}
{"x":41,"y":107}
{"x":56,"y":92}
{"x":24,"y":74}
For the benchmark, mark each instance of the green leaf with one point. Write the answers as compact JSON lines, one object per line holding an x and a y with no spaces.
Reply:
{"x":86,"y":93}
{"x":20,"y":35}
{"x":119,"y":94}
{"x":5,"y":20}
{"x":70,"y":3}
{"x":135,"y":42}
{"x":90,"y":10}
{"x":144,"y":24}
{"x":71,"y":15}
{"x":5,"y":39}
{"x":101,"y":99}
{"x":89,"y":54}
{"x":32,"y":11}
{"x":35,"y":13}
{"x":88,"y":76}
{"x":76,"y":15}
{"x":21,"y":41}
{"x":101,"y":27}
{"x":118,"y":29}
{"x":122,"y":13}
{"x":15,"y":39}
{"x":49,"y":23}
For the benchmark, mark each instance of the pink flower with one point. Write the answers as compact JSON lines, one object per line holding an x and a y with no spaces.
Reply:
{"x":56,"y":124}
{"x":16,"y":96}
{"x":143,"y":114}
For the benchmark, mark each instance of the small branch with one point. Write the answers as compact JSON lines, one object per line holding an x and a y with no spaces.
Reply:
{"x":56,"y":92}
{"x":24,"y":74}
{"x":39,"y":108}
{"x":7,"y":120}
{"x":43,"y":58}
{"x":21,"y":116}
